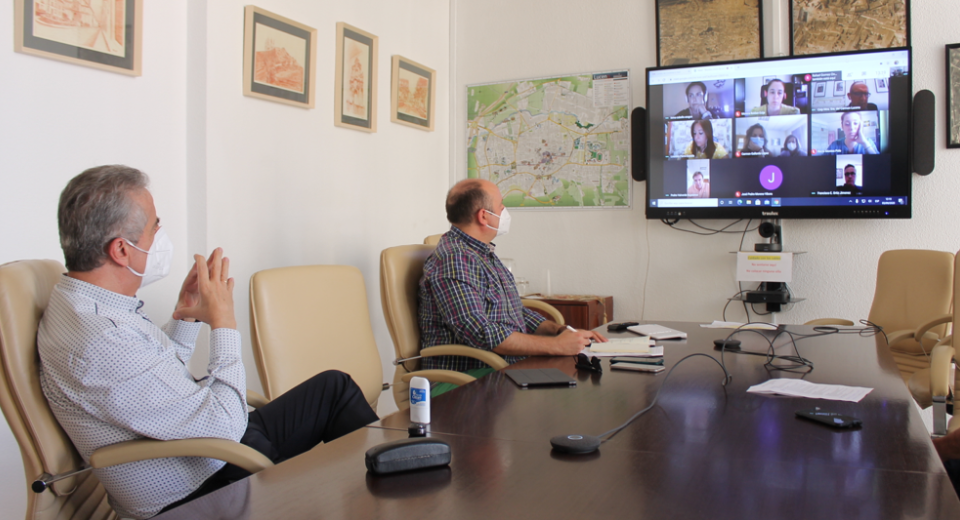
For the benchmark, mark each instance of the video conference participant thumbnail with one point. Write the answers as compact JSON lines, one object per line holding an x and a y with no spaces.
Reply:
{"x":710,"y":99}
{"x":771,"y":136}
{"x":841,"y":133}
{"x":704,"y":139}
{"x":850,"y":173}
{"x":698,"y":179}
{"x":772,"y":96}
{"x":865,"y":94}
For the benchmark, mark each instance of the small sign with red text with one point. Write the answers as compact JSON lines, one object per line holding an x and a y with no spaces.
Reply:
{"x":764,"y":267}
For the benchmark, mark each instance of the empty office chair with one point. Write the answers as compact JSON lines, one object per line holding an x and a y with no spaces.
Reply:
{"x":308,"y":319}
{"x":50,"y":461}
{"x":914,"y":288}
{"x":545,"y":309}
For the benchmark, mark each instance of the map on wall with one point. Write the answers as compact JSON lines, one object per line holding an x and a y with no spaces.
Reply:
{"x":561,"y":142}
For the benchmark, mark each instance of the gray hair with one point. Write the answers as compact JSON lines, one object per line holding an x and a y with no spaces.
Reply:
{"x":96,"y":208}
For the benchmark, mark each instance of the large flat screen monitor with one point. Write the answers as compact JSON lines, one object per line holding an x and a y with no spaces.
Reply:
{"x":823,"y":136}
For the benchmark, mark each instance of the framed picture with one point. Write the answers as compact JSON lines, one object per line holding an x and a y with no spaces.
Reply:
{"x":953,"y":95}
{"x":818,"y":27}
{"x":355,"y":86}
{"x":412,"y":99}
{"x":820,"y":89}
{"x":706,"y":32}
{"x":883,"y":84}
{"x":103,"y":34}
{"x":839,"y":89}
{"x":278,"y":56}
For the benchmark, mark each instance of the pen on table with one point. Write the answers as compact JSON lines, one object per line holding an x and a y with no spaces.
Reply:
{"x":571,"y":329}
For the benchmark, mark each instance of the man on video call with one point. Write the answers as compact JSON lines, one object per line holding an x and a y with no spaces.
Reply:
{"x":468,"y":297}
{"x":696,"y":101}
{"x":850,"y":179}
{"x":859,"y":96}
{"x":776,"y":93}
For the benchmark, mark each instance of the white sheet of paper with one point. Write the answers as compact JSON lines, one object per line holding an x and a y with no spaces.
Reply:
{"x":637,"y":345}
{"x":801,"y":388}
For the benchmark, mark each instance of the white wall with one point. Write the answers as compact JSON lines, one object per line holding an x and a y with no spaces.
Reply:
{"x":652,"y":271}
{"x":272,"y":184}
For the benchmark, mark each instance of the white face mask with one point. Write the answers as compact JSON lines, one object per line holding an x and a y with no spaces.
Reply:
{"x":504,"y":227}
{"x":159,"y":259}
{"x":791,"y":146}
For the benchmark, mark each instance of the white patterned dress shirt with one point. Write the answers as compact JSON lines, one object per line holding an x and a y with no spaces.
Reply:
{"x":111,"y":376}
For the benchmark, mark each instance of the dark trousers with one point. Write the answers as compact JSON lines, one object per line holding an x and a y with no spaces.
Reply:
{"x":322,"y":408}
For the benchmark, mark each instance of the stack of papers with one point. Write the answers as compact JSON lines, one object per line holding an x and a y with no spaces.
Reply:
{"x":633,"y":347}
{"x":801,"y":388}
{"x":738,"y":325}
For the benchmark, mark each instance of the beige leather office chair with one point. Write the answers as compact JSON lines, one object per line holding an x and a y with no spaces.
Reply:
{"x":308,"y":319}
{"x":65,"y":489}
{"x":432,"y":240}
{"x":914,"y":289}
{"x":400,"y":270}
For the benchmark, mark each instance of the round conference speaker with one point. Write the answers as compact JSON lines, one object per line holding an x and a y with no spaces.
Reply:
{"x":924,"y":126}
{"x":575,"y":444}
{"x":638,"y":144}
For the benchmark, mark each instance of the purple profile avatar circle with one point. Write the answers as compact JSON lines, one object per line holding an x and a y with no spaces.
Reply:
{"x":771,"y":177}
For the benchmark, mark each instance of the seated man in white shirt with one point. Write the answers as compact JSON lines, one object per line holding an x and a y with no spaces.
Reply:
{"x":111,"y":375}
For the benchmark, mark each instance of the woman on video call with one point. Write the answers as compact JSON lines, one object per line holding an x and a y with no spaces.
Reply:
{"x":853,"y":141}
{"x":756,"y":141}
{"x":703,"y":146}
{"x":791,"y":147}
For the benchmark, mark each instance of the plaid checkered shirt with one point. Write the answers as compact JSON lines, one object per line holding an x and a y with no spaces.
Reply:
{"x":468,"y":297}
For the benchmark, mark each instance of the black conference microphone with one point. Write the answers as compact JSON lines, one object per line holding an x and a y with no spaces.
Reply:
{"x":580,"y":444}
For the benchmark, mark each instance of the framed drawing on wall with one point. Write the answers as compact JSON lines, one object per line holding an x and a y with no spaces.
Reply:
{"x":705,"y":32}
{"x":818,"y":27}
{"x":278,"y":56}
{"x":355,"y":86}
{"x":953,"y":95}
{"x":104,"y":34}
{"x":412,"y":89}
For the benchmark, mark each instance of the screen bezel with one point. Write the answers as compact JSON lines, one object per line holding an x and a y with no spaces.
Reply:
{"x":900,"y":125}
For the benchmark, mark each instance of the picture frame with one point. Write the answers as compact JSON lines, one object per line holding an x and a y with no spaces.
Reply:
{"x":76,"y":33}
{"x":820,"y":89}
{"x":839,"y":89}
{"x":278,"y":58}
{"x":734,"y":31}
{"x":953,"y":95}
{"x":883,"y":84}
{"x":817,"y":27}
{"x":412,"y":94}
{"x":355,"y":83}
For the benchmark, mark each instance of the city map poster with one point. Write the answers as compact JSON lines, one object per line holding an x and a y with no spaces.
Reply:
{"x":104,"y":34}
{"x":278,"y":58}
{"x":558,"y":142}
{"x":818,"y":27}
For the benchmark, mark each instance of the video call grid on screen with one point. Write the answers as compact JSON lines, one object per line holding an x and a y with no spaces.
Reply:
{"x":822,"y":123}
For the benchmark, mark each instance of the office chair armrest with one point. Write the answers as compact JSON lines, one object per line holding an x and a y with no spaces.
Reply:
{"x":256,"y":400}
{"x":440,"y":376}
{"x":939,"y":320}
{"x":146,"y":449}
{"x":494,"y":361}
{"x":550,"y":310}
{"x":898,"y":335}
{"x":940,"y":360}
{"x":830,"y":321}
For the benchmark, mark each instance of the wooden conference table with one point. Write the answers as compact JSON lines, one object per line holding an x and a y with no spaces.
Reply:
{"x":705,"y":450}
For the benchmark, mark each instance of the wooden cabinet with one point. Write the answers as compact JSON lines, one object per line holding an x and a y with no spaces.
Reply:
{"x":581,"y":311}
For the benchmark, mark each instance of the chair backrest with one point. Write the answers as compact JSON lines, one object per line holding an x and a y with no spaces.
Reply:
{"x":432,"y":240}
{"x":913,"y":287}
{"x":307,"y":319}
{"x":400,"y":270}
{"x":25,"y":289}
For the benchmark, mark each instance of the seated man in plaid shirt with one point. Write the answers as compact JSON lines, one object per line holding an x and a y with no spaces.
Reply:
{"x":468,"y":297}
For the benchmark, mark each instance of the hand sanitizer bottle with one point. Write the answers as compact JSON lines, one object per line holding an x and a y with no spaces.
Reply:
{"x":420,"y":400}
